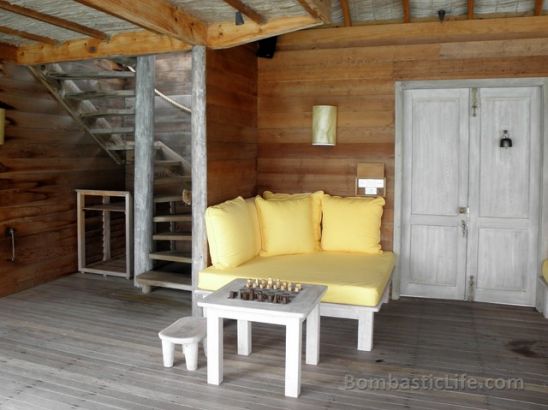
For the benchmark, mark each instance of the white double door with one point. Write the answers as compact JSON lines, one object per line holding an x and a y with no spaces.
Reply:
{"x":470,"y":208}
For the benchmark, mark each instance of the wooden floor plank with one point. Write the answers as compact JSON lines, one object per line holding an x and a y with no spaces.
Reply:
{"x":91,"y":342}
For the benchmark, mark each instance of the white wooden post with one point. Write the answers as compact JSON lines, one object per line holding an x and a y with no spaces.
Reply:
{"x":199,"y":165}
{"x":144,"y":163}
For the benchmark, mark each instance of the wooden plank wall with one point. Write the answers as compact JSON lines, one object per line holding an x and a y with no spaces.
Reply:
{"x":231,"y":123}
{"x":360,"y":81}
{"x":45,"y":157}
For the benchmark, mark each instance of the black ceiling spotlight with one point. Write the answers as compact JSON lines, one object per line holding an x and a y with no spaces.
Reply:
{"x":238,"y":19}
{"x":441,"y":15}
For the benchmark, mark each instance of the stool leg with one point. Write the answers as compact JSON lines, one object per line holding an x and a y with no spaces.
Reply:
{"x":168,"y":351}
{"x":191,"y":355}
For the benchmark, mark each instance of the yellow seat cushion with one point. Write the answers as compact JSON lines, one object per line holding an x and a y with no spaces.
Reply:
{"x":545,"y":270}
{"x":352,"y":224}
{"x":230,"y":233}
{"x":351,"y":278}
{"x":316,"y":208}
{"x":286,"y":226}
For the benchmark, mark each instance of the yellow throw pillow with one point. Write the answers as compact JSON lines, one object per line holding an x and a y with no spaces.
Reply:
{"x":255,"y":220}
{"x":286,"y":226}
{"x":230,"y":233}
{"x":316,"y":208}
{"x":352,"y":224}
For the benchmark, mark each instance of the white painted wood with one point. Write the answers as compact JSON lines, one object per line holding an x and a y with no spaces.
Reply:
{"x":214,"y":348}
{"x":187,"y":332}
{"x":168,"y":352}
{"x":398,"y":183}
{"x":293,"y":351}
{"x":244,"y":337}
{"x":199,"y":164}
{"x":365,"y":331}
{"x":144,"y":163}
{"x":504,"y":196}
{"x":190,"y":351}
{"x":435,"y":151}
{"x":217,"y":306}
{"x":542,"y":297}
{"x":313,"y":337}
{"x":81,"y":229}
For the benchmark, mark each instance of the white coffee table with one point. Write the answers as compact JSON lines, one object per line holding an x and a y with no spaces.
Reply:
{"x":305,"y":306}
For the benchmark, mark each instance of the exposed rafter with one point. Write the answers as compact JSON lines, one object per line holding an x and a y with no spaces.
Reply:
{"x":27,"y":35}
{"x":158,"y":16}
{"x":470,"y":9}
{"x":123,"y":44}
{"x":56,"y":21}
{"x":406,"y":11}
{"x":246,"y":11}
{"x":347,"y":16}
{"x":319,"y":9}
{"x":538,"y":7}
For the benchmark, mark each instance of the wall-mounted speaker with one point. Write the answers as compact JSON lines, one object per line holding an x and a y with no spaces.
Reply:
{"x":267,"y":47}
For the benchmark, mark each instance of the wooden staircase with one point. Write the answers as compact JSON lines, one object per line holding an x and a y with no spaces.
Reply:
{"x":106,"y":113}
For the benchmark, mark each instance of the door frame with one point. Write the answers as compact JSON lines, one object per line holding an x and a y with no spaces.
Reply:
{"x":400,"y":87}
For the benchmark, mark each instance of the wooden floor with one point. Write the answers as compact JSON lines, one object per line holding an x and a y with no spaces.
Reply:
{"x":90,"y":342}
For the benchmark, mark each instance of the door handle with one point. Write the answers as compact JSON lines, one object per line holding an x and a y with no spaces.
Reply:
{"x":10,"y":233}
{"x":464,"y":210}
{"x":464,"y":227}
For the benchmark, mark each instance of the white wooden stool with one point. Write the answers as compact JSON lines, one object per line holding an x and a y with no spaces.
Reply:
{"x":188,"y":332}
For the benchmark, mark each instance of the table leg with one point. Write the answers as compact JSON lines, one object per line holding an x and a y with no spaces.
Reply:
{"x":313,"y":336}
{"x":293,"y":350}
{"x":214,"y":349}
{"x":244,"y":337}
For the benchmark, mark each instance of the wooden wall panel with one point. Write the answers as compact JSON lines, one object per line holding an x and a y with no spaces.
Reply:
{"x":45,"y":157}
{"x":231,"y":123}
{"x":335,"y":67}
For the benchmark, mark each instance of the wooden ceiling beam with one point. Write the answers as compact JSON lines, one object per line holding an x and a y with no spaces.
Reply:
{"x":123,"y":44}
{"x":347,"y":15}
{"x":27,"y":35}
{"x":406,"y":11}
{"x":8,"y":52}
{"x":246,"y":11}
{"x":470,"y":9}
{"x":538,"y":7}
{"x":158,"y":16}
{"x":55,"y":21}
{"x":225,"y":35}
{"x":319,"y":9}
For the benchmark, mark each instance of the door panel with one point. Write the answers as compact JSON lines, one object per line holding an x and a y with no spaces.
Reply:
{"x":433,"y":257}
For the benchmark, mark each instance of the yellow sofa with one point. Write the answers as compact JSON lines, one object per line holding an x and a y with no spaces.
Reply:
{"x":358,"y":283}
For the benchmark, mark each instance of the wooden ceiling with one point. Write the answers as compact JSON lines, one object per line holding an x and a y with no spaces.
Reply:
{"x":42,"y":31}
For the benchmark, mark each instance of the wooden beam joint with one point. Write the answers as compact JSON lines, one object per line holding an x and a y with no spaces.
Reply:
{"x":246,"y":11}
{"x":319,"y":9}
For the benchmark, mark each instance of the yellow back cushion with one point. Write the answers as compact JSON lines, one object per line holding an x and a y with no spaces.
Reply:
{"x":352,"y":224}
{"x":230,"y":233}
{"x":316,"y":208}
{"x":286,"y":226}
{"x":255,"y":221}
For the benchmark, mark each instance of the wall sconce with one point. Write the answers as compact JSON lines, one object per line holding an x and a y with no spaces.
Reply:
{"x":505,"y":141}
{"x":2,"y":125}
{"x":324,"y":125}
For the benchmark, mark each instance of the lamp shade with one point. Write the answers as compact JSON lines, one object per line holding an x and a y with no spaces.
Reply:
{"x":2,"y":125}
{"x":324,"y":125}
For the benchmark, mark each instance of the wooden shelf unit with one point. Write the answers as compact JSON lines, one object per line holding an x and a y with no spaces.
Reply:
{"x":112,"y":265}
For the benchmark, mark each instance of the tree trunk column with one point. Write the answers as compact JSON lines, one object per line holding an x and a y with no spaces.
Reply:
{"x":144,"y":163}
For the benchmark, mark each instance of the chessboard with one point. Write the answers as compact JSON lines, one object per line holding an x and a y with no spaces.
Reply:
{"x":269,"y":291}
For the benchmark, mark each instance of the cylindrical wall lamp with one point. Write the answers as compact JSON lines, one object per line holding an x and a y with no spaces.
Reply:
{"x":324,"y":125}
{"x":2,"y":124}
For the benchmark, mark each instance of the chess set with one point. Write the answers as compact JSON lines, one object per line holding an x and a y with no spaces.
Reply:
{"x":270,"y":291}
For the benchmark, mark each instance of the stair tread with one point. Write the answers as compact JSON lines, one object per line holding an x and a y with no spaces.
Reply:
{"x":172,"y":236}
{"x":174,"y":256}
{"x":168,"y":198}
{"x":115,"y":130}
{"x":107,"y":113}
{"x":83,"y":75}
{"x":172,"y":280}
{"x":90,"y":95}
{"x":173,"y":218}
{"x":167,"y":162}
{"x":172,"y":178}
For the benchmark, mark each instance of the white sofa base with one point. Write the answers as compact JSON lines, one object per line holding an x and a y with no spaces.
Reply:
{"x":542,"y":296}
{"x":364,"y":315}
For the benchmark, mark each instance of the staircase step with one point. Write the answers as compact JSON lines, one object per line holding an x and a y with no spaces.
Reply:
{"x":172,"y":256}
{"x":167,"y":163}
{"x":169,"y":280}
{"x":90,"y":95}
{"x":176,"y":179}
{"x":168,"y":198}
{"x":173,"y":218}
{"x":171,"y":236}
{"x":110,"y":131}
{"x":90,"y":75}
{"x":108,"y":113}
